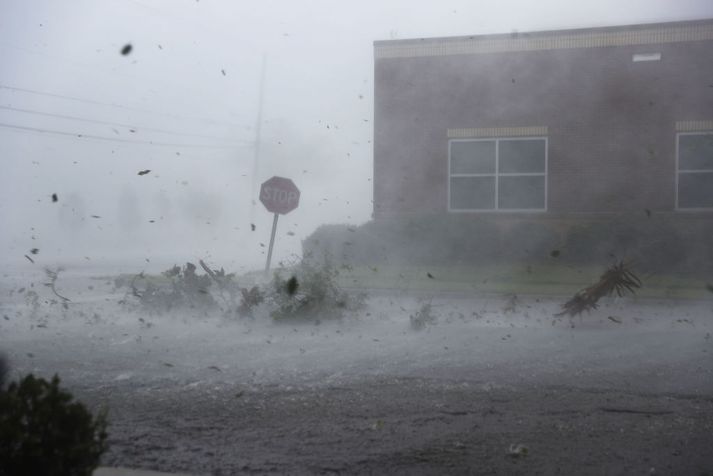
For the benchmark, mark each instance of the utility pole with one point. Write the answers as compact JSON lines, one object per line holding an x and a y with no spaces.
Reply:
{"x":258,"y":139}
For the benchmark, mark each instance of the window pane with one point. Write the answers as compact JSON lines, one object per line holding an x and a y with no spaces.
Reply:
{"x":522,"y":156}
{"x":521,"y":192}
{"x":472,"y":193}
{"x":695,"y":152}
{"x":695,"y":190}
{"x":473,"y":157}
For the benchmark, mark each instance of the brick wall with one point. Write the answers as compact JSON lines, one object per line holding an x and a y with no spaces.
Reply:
{"x":611,"y":122}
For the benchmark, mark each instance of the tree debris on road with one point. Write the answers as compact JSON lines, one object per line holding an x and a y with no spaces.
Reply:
{"x":617,"y":278}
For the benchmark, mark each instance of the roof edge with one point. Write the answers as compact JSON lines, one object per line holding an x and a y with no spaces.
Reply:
{"x":638,"y":34}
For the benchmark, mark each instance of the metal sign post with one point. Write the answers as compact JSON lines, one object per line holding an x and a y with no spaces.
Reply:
{"x":280,"y":196}
{"x":272,"y":243}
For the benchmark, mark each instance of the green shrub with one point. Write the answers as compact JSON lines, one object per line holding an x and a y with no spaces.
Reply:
{"x":44,"y":432}
{"x":658,"y":242}
{"x":310,"y":292}
{"x":423,"y":317}
{"x":249,"y":300}
{"x":177,"y":288}
{"x":426,"y":240}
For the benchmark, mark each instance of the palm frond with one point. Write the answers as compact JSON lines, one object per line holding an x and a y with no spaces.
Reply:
{"x":617,"y":278}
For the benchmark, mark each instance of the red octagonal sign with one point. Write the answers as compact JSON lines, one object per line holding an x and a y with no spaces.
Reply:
{"x":279,"y":195}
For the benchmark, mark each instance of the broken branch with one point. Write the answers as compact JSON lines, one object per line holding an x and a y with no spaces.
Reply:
{"x":618,"y":278}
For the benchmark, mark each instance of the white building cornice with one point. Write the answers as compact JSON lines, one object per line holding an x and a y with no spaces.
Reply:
{"x":552,"y":40}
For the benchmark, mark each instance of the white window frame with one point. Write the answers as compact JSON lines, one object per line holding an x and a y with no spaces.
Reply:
{"x":679,"y":171}
{"x":497,"y":175}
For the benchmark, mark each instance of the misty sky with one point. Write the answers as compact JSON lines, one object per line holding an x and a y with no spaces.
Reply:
{"x":79,"y":119}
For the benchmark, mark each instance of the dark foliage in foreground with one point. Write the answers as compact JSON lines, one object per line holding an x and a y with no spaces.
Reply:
{"x":4,"y":370}
{"x":618,"y":278}
{"x":44,"y":432}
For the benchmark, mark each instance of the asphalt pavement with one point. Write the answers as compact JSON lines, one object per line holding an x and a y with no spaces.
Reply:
{"x":132,"y":472}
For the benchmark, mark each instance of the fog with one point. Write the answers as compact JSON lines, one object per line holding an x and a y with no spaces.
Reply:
{"x":498,"y":328}
{"x":80,"y":119}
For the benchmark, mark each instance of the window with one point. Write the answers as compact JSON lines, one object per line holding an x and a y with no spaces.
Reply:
{"x":497,"y":174}
{"x":694,"y":174}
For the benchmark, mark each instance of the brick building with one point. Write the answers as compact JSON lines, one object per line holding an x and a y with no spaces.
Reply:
{"x":547,"y":124}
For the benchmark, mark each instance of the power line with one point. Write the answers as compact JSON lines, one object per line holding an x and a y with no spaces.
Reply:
{"x":114,"y":139}
{"x":96,"y":121}
{"x":97,"y":69}
{"x":121,"y":106}
{"x":69,"y":61}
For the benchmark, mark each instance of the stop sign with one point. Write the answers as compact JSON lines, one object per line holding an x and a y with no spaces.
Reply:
{"x":279,"y":195}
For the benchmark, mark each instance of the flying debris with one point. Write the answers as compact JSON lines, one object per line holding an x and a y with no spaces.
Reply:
{"x":518,"y":451}
{"x":430,"y":276}
{"x":30,"y":259}
{"x":292,"y":285}
{"x":34,"y":251}
{"x":54,"y":198}
{"x":252,"y":226}
{"x":96,"y":216}
{"x":617,"y":278}
{"x":222,"y":71}
{"x":126,"y":49}
{"x":144,"y":172}
{"x":53,"y":274}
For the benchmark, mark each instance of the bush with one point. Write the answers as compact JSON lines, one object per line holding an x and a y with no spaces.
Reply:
{"x":423,"y":317}
{"x":178,"y":288}
{"x":311,"y":292}
{"x":43,"y":432}
{"x":658,"y":242}
{"x":249,"y":300}
{"x":426,"y":240}
{"x":307,"y":290}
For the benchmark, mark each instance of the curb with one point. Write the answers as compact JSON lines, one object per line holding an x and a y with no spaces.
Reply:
{"x":103,"y":471}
